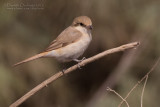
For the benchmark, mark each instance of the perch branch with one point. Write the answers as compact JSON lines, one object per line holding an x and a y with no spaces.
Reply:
{"x":74,"y":67}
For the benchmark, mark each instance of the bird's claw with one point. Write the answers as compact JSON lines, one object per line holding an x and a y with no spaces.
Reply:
{"x":63,"y":71}
{"x":79,"y":61}
{"x":79,"y":66}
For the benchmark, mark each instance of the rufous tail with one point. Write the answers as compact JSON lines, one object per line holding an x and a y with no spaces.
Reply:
{"x":31,"y":58}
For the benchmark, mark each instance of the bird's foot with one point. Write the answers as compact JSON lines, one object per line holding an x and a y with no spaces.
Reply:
{"x":79,"y":61}
{"x":63,"y":71}
{"x":76,"y":60}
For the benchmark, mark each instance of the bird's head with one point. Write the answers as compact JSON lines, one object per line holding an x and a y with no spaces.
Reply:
{"x":83,"y":21}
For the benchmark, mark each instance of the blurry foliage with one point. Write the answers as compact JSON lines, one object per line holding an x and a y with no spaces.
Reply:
{"x":24,"y":33}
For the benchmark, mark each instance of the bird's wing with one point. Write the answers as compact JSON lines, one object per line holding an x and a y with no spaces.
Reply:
{"x":68,"y":36}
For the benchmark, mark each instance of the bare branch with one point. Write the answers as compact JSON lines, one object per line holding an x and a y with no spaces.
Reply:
{"x":143,"y":90}
{"x":146,"y":76}
{"x":109,"y":89}
{"x":74,"y":67}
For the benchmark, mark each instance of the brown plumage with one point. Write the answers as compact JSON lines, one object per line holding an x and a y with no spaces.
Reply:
{"x":78,"y":31}
{"x":65,"y":38}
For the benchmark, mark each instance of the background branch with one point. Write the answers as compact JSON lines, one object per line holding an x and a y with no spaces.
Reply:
{"x":145,"y":77}
{"x":145,"y":82}
{"x":111,"y":90}
{"x":143,"y":90}
{"x":60,"y":74}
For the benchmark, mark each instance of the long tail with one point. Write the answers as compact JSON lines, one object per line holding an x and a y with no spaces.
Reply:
{"x":32,"y":58}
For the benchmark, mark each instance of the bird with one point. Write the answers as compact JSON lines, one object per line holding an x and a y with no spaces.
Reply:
{"x":70,"y":44}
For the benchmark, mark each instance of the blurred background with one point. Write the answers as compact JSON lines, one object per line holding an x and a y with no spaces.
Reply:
{"x":27,"y":27}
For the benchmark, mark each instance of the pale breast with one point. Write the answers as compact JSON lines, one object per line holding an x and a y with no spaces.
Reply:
{"x":72,"y":51}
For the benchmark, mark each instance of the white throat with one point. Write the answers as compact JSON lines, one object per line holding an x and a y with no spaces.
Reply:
{"x":83,"y":30}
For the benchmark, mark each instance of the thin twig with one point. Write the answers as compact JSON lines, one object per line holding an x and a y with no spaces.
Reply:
{"x":143,"y":90}
{"x":74,"y":67}
{"x":128,"y":94}
{"x":154,"y":66}
{"x":109,"y":89}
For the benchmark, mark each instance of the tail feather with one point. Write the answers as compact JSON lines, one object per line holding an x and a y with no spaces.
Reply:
{"x":31,"y":58}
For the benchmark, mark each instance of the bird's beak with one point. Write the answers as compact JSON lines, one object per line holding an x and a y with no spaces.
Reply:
{"x":90,"y":27}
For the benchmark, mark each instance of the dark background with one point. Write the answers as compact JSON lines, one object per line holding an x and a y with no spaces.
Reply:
{"x":26,"y":30}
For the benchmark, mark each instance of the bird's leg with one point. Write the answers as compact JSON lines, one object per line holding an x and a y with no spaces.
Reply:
{"x":79,"y":61}
{"x":63,"y":71}
{"x":83,"y":59}
{"x":76,"y":60}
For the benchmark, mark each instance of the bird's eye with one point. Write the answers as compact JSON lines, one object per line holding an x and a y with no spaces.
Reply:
{"x":81,"y":24}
